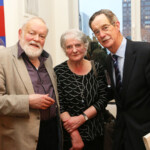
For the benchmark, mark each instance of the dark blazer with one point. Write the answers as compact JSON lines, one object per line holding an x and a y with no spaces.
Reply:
{"x":133,"y":103}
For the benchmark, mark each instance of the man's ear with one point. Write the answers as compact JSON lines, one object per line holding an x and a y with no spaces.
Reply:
{"x":117,"y":24}
{"x":19,"y":33}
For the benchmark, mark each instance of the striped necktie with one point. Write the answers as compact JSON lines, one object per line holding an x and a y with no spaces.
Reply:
{"x":117,"y":73}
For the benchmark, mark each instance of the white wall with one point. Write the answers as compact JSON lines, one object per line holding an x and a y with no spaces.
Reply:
{"x":12,"y":12}
{"x":59,"y":15}
{"x":136,"y":20}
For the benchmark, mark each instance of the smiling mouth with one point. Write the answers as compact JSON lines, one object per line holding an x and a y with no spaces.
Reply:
{"x":35,"y":45}
{"x":75,"y":55}
{"x":105,"y":39}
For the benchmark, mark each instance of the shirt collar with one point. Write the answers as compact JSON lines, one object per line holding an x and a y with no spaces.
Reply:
{"x":121,"y":50}
{"x":21,"y":52}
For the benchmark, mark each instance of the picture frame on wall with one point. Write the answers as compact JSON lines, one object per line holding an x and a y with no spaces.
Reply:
{"x":31,"y":7}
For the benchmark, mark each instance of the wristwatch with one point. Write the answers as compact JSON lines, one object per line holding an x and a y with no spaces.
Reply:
{"x":85,"y":116}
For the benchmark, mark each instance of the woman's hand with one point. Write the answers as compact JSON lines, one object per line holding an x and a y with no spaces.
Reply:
{"x":76,"y":140}
{"x":73,"y":123}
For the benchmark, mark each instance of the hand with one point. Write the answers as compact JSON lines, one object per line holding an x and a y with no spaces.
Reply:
{"x":73,"y":123}
{"x":76,"y":140}
{"x":40,"y":101}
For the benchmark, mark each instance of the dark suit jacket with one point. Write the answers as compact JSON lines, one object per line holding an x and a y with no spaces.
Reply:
{"x":133,"y":104}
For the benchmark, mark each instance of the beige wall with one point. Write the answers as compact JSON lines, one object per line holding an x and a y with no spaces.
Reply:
{"x":59,"y":15}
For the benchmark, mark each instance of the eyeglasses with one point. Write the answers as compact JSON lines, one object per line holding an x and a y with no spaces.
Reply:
{"x":103,"y":29}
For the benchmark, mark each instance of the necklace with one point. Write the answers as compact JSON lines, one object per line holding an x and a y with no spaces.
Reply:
{"x":81,"y":88}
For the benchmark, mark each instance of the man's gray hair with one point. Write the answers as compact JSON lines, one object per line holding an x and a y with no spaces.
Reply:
{"x":108,"y":13}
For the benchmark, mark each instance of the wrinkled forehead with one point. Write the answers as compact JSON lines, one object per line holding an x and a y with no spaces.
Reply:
{"x":101,"y":18}
{"x":99,"y":21}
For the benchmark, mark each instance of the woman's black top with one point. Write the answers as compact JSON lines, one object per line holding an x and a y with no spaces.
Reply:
{"x":93,"y":87}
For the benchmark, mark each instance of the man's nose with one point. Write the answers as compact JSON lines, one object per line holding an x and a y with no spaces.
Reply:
{"x":102,"y":34}
{"x":36,"y":37}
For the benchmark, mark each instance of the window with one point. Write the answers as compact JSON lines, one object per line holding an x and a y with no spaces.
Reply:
{"x":123,"y":13}
{"x":88,"y":7}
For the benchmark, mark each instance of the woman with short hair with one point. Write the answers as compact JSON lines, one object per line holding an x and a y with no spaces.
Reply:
{"x":82,"y":94}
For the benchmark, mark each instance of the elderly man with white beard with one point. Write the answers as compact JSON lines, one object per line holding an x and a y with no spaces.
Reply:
{"x":29,"y":107}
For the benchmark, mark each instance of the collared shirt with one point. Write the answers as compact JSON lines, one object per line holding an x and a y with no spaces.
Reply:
{"x":40,"y":80}
{"x":121,"y":57}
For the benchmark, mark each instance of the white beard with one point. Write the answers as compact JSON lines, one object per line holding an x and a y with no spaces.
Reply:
{"x":30,"y":51}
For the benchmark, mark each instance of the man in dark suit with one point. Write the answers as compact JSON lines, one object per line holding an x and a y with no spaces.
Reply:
{"x":131,"y":89}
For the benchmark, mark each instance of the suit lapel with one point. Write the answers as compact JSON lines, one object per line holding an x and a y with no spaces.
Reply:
{"x":128,"y":66}
{"x":48,"y":66}
{"x":49,"y":70}
{"x":22,"y":71}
